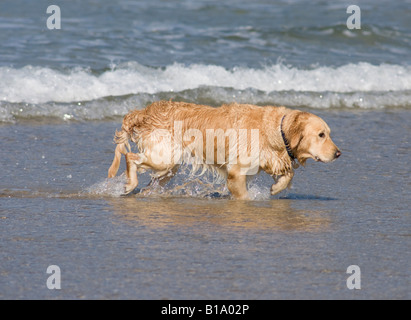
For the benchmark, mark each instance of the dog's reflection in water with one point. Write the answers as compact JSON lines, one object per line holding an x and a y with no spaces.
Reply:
{"x":163,"y":212}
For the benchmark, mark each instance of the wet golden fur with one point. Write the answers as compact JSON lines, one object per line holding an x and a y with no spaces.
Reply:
{"x":153,"y":130}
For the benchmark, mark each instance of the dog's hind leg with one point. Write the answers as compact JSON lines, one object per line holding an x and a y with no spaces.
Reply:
{"x":120,"y":149}
{"x":133,"y":160}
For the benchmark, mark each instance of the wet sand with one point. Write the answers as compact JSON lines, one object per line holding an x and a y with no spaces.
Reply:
{"x":57,"y":208}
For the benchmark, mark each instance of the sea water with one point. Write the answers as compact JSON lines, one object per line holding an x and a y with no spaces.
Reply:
{"x":63,"y":93}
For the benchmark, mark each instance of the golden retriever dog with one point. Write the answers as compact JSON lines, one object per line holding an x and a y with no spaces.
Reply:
{"x":233,"y":141}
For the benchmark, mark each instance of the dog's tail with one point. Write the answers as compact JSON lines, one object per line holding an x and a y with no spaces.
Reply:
{"x":123,"y":147}
{"x":132,"y":124}
{"x":130,"y":121}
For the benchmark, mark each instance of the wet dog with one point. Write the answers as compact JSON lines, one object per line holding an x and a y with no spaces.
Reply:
{"x":234,"y":141}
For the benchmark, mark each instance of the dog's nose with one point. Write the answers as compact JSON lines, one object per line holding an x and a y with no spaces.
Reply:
{"x":337,"y":154}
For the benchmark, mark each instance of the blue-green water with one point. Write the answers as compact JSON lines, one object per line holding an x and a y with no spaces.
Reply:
{"x":64,"y":92}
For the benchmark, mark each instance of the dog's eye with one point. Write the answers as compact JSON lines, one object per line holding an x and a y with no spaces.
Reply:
{"x":322,"y":135}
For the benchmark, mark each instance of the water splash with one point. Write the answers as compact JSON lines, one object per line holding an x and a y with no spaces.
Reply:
{"x":108,"y":187}
{"x":184,"y":184}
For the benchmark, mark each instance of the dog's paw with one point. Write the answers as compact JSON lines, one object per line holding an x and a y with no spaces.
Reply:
{"x":129,"y":187}
{"x":276,"y":189}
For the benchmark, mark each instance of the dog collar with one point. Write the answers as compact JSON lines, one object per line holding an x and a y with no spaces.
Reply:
{"x":287,"y":144}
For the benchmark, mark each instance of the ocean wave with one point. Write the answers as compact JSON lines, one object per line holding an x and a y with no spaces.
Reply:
{"x":116,"y":107}
{"x":79,"y":94}
{"x":41,"y":85}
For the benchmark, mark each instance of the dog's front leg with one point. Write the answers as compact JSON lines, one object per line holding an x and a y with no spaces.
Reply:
{"x":237,"y":184}
{"x":282,"y":182}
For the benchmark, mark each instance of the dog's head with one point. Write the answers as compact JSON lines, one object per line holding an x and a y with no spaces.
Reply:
{"x":309,"y":137}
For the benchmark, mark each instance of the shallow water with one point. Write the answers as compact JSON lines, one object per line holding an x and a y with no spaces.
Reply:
{"x":57,"y":208}
{"x":64,"y":92}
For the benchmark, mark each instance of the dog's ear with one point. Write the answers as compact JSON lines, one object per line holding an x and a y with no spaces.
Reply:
{"x":295,"y":123}
{"x":294,"y":127}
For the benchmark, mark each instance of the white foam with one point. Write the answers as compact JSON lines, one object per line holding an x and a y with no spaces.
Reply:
{"x":108,"y":187}
{"x":40,"y":85}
